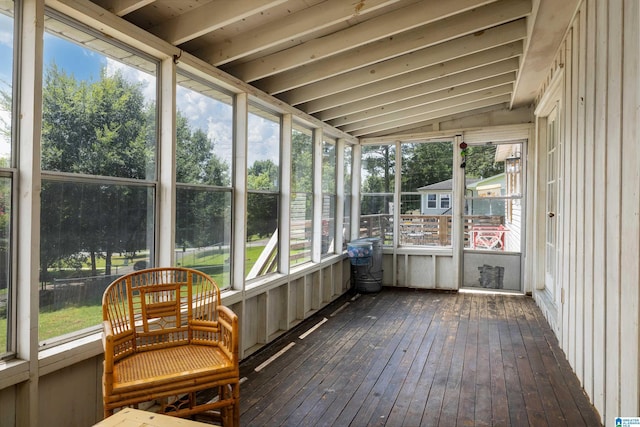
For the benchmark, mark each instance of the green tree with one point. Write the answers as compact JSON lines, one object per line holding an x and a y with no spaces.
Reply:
{"x":94,"y":128}
{"x":262,"y":208}
{"x":425,"y":164}
{"x":263,"y":175}
{"x":378,"y":168}
{"x":200,"y":215}
{"x":480,"y":162}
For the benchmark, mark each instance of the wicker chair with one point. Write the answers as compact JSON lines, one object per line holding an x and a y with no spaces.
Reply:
{"x":168,"y":341}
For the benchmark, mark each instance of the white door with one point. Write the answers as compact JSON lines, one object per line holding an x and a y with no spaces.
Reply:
{"x":551,"y":204}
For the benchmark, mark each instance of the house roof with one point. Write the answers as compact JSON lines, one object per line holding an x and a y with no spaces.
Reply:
{"x":445,"y":185}
{"x":367,"y":69}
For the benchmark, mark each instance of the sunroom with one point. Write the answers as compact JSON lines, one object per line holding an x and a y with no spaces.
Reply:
{"x":489,"y":147}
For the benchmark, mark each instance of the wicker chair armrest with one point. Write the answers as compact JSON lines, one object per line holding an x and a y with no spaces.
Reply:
{"x":107,"y":345}
{"x":228,"y":323}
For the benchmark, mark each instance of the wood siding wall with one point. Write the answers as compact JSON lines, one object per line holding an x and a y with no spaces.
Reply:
{"x":598,"y":254}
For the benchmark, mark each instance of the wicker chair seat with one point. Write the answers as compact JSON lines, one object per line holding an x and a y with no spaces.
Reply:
{"x":189,"y":363}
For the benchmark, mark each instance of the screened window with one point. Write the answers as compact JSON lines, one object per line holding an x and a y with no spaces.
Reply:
{"x":301,"y":228}
{"x":98,"y":172}
{"x":263,"y":184}
{"x":6,"y":176}
{"x":204,"y":144}
{"x":377,"y":191}
{"x":328,"y":197}
{"x":425,"y":208}
{"x":348,"y":183}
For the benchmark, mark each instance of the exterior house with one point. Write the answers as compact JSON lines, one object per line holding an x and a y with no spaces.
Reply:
{"x":435,"y":199}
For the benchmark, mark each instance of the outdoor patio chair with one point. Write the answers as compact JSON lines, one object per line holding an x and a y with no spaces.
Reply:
{"x":169,"y":342}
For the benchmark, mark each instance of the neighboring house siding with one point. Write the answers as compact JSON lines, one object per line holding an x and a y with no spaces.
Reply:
{"x":598,"y":256}
{"x":513,"y":237}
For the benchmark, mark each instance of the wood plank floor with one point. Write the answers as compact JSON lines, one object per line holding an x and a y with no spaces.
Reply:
{"x":416,"y":358}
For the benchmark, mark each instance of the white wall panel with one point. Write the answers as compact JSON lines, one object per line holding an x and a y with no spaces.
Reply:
{"x":599,"y":230}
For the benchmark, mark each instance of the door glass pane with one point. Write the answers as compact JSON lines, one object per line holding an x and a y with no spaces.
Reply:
{"x":493,"y":197}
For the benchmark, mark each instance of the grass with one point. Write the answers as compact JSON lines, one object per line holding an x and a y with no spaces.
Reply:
{"x":70,"y":319}
{"x":3,"y":335}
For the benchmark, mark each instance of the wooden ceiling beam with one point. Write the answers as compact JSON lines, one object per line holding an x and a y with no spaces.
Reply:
{"x":414,"y":121}
{"x":508,"y":53}
{"x":288,"y":29}
{"x":418,"y":108}
{"x":209,"y":17}
{"x":123,"y":7}
{"x":502,"y":83}
{"x":406,"y":43}
{"x":389,"y":26}
{"x":502,"y":68}
{"x":495,"y":44}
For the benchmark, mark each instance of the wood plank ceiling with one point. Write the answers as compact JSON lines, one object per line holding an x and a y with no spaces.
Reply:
{"x":370,"y":68}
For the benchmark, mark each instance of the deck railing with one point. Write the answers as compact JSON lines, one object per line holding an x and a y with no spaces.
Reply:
{"x":423,"y":230}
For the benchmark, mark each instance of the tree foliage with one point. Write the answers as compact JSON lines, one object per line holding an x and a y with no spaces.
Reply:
{"x":201,"y":214}
{"x":101,"y":129}
{"x":426,"y":163}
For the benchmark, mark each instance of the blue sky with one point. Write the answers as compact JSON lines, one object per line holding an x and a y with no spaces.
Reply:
{"x":83,"y":63}
{"x":213,"y":117}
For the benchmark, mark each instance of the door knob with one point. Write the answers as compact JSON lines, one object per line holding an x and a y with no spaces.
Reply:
{"x":551,"y":214}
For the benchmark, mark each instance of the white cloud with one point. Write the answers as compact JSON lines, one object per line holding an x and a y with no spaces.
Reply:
{"x":134,"y":75}
{"x":264,"y":140}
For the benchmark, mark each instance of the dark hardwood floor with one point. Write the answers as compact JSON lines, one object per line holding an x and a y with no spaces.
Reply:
{"x":416,"y":358}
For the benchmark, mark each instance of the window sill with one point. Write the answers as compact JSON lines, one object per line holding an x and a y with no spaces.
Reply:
{"x":69,"y":353}
{"x":13,"y":372}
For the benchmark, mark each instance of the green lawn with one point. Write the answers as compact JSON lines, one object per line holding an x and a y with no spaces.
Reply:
{"x":70,"y":319}
{"x":3,"y":335}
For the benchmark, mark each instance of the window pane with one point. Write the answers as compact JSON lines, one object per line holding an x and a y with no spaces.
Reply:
{"x":263,"y":151}
{"x":6,"y":117}
{"x":99,"y":111}
{"x":328,"y":224}
{"x":90,"y":234}
{"x":6,"y":79}
{"x":328,"y":167}
{"x":301,"y":196}
{"x":204,"y":134}
{"x":98,"y":120}
{"x":346,"y":221}
{"x":328,"y":197}
{"x":263,"y":174}
{"x":427,"y":183}
{"x":5,"y":245}
{"x":203,"y":232}
{"x":261,"y":255}
{"x":378,"y":168}
{"x":378,"y":181}
{"x":376,"y":218}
